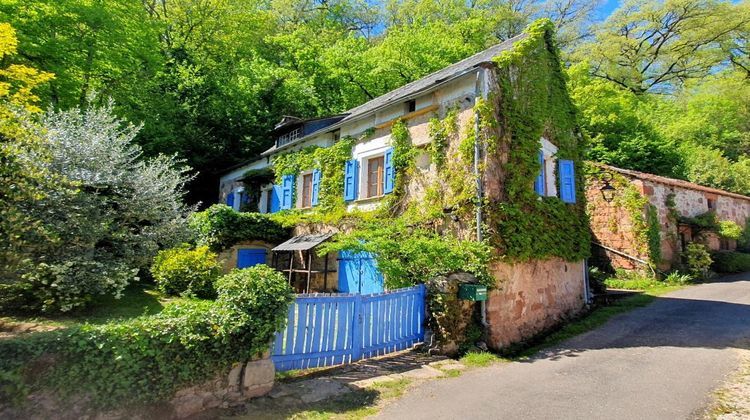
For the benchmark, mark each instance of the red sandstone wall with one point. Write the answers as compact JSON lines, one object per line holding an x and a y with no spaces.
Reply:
{"x":611,"y":226}
{"x":532,"y":297}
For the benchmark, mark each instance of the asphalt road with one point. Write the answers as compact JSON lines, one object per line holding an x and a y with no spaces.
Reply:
{"x":657,"y":362}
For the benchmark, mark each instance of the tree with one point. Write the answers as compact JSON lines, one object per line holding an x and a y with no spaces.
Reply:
{"x":656,"y":46}
{"x":111,"y":212}
{"x":617,"y":124}
{"x":23,"y":177}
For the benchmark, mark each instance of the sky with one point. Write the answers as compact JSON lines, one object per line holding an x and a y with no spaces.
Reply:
{"x":607,"y":7}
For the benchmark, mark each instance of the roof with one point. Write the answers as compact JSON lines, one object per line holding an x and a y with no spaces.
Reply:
{"x":408,"y":90}
{"x":303,"y":242}
{"x":672,"y":181}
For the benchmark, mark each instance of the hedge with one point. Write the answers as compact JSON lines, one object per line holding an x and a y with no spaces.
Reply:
{"x":731,"y":262}
{"x":219,"y":227}
{"x":148,"y":358}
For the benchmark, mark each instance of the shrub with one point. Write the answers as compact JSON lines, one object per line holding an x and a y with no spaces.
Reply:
{"x":731,"y":262}
{"x":186,"y":272}
{"x":743,"y":243}
{"x":103,"y":214}
{"x":219,"y":227}
{"x":730,"y":230}
{"x":697,"y":260}
{"x":147,"y":359}
{"x":679,"y":279}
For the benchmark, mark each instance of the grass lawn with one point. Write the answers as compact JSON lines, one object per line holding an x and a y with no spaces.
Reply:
{"x":137,"y":299}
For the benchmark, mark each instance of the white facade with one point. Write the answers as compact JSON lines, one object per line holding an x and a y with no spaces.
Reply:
{"x":428,"y":102}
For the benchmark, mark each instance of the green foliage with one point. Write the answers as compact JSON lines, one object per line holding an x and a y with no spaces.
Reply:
{"x":534,"y":103}
{"x":729,"y":230}
{"x":146,"y":359}
{"x":697,"y":260}
{"x":186,"y":272}
{"x":219,"y":227}
{"x":101,"y":215}
{"x":730,"y":262}
{"x":411,"y":255}
{"x":330,"y":160}
{"x":440,"y":131}
{"x":743,"y":243}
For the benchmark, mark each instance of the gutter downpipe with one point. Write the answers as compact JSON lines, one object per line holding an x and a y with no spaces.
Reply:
{"x":479,"y":92}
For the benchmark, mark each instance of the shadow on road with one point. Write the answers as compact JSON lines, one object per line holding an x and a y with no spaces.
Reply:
{"x":718,"y":318}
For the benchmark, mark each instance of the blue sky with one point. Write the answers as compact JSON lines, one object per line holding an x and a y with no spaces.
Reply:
{"x":607,"y":8}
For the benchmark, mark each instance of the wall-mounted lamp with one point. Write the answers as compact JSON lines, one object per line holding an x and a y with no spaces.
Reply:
{"x":608,"y":191}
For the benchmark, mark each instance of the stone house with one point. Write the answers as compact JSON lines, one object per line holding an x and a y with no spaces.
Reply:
{"x":485,"y":149}
{"x":652,"y":218}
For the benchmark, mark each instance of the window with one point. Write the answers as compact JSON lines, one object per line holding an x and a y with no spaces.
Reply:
{"x":307,"y":181}
{"x":375,"y":176}
{"x":711,"y":204}
{"x":411,"y":106}
{"x":336,"y":135}
{"x":289,"y":137}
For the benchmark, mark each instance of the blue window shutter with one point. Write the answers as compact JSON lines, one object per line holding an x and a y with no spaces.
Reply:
{"x":315,"y":186}
{"x":350,"y":179}
{"x":567,"y":181}
{"x":539,"y":183}
{"x":275,"y":199}
{"x":230,"y":199}
{"x":287,"y":188}
{"x":389,"y":173}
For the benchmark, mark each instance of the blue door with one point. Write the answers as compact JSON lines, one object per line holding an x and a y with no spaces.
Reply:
{"x":250,"y":257}
{"x":358,"y":273}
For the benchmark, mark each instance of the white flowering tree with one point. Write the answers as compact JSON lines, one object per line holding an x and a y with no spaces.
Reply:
{"x":114,"y":212}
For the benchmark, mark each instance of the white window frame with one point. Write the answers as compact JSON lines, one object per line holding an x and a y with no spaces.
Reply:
{"x":299,"y":187}
{"x":549,"y":151}
{"x":237,"y":204}
{"x":364,"y":160}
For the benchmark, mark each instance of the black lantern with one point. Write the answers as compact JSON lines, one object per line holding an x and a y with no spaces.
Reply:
{"x":608,"y":191}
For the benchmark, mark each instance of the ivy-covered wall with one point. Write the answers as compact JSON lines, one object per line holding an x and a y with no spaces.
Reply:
{"x":531,"y":101}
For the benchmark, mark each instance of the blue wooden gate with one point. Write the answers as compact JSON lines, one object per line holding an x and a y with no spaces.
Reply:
{"x":333,"y":329}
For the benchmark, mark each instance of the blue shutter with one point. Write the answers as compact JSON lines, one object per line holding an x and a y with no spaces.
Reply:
{"x":350,"y":180}
{"x":287,"y":188}
{"x":275,"y":199}
{"x":389,"y":172}
{"x":230,"y":199}
{"x":539,"y":183}
{"x":315,"y":186}
{"x":567,"y":181}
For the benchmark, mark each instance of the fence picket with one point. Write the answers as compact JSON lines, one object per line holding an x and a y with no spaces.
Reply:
{"x":326,"y":330}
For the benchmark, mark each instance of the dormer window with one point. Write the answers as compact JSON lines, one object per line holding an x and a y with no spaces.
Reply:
{"x":289,"y":137}
{"x":410,"y":106}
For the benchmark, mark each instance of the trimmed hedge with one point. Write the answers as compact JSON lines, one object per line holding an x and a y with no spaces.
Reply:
{"x":219,"y":227}
{"x":731,"y":262}
{"x":148,"y":358}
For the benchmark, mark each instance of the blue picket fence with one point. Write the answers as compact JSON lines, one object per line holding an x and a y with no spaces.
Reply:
{"x":333,"y":329}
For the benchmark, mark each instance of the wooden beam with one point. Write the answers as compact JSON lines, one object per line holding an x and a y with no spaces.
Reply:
{"x":408,"y":116}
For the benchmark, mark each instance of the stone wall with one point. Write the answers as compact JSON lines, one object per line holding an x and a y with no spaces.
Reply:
{"x":243,"y":382}
{"x":532,"y":297}
{"x":612,"y":226}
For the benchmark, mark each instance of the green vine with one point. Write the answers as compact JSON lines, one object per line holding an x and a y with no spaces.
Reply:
{"x":441,"y":131}
{"x":330,"y":160}
{"x":532,"y":103}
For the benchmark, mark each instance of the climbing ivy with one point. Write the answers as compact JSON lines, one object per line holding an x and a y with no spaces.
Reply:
{"x":441,"y":131}
{"x":532,"y":102}
{"x":330,"y":161}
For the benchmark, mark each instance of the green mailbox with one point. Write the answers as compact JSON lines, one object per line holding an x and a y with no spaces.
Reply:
{"x":475,"y":292}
